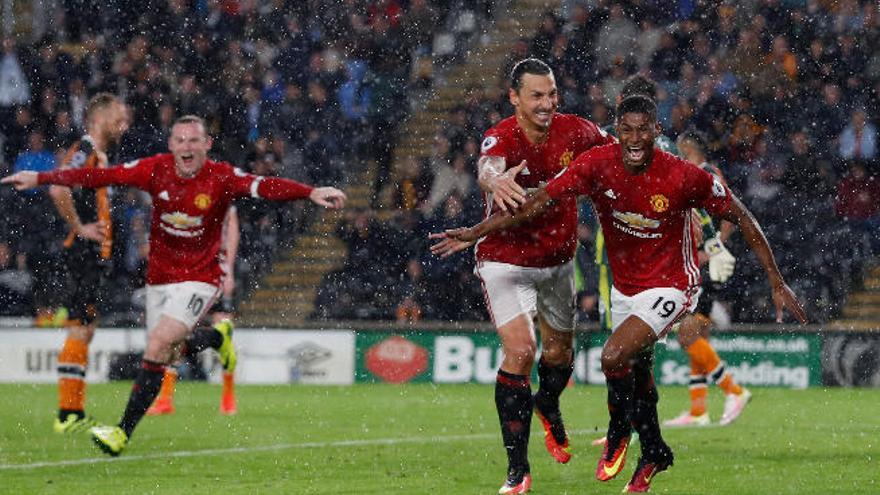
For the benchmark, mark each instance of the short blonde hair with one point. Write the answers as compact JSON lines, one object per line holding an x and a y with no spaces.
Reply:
{"x":100,"y":101}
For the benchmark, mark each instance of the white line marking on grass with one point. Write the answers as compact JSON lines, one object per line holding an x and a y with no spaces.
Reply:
{"x":266,"y":448}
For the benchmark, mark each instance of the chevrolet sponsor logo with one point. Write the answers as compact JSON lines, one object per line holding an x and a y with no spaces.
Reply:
{"x":180,"y":220}
{"x":636,"y":220}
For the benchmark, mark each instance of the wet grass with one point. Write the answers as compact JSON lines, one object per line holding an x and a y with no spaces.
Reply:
{"x":422,"y":439}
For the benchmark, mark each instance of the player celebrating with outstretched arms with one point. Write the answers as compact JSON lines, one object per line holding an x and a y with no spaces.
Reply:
{"x":643,"y":198}
{"x":527,"y":270}
{"x":191,"y":195}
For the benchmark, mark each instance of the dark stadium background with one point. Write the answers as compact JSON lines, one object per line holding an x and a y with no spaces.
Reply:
{"x":388,"y":100}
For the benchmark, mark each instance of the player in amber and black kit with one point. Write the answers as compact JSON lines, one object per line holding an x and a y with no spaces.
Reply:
{"x":87,"y":254}
{"x":643,"y":198}
{"x":191,"y":195}
{"x":527,"y":270}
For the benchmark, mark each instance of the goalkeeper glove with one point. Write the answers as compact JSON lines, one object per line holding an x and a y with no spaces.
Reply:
{"x":721,"y":262}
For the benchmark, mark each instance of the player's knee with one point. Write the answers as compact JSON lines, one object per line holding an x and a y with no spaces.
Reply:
{"x":84,"y":333}
{"x":521,"y":355}
{"x":159,"y":348}
{"x":559,"y":353}
{"x":614,"y":359}
{"x":688,"y":333}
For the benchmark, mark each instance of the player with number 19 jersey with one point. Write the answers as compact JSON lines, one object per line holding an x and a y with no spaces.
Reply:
{"x":550,"y":239}
{"x":187,"y":218}
{"x":646,"y":217}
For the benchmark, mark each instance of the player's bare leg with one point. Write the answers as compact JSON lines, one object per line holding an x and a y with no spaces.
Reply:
{"x":162,"y":343}
{"x":513,"y":399}
{"x":707,"y":367}
{"x":554,"y":371}
{"x":72,"y":363}
{"x":628,"y":339}
{"x":632,"y":400}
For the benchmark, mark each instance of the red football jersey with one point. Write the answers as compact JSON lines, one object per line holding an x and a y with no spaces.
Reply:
{"x":551,"y":238}
{"x":187,"y":219}
{"x":645,"y":217}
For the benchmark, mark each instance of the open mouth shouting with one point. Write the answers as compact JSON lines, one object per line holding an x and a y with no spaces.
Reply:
{"x":635,"y":154}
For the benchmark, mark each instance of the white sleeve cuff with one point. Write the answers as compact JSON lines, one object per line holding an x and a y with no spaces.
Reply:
{"x":254,"y":185}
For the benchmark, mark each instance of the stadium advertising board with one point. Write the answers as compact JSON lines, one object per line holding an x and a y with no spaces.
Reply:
{"x":755,"y":359}
{"x":264,"y":356}
{"x":285,"y":356}
{"x":851,"y":360}
{"x":427,"y":357}
{"x":30,"y":355}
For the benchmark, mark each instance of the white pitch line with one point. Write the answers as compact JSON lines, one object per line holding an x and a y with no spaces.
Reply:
{"x":265,"y":448}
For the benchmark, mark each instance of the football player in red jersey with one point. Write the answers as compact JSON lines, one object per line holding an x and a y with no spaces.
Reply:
{"x":191,"y":195}
{"x":643,"y":198}
{"x":220,"y":318}
{"x":527,"y":270}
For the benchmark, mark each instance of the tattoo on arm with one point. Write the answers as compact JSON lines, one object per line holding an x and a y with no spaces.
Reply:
{"x":489,"y":167}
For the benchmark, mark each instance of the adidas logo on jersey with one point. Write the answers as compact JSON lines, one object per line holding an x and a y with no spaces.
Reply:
{"x":525,"y":171}
{"x":611,"y":194}
{"x":164,"y":195}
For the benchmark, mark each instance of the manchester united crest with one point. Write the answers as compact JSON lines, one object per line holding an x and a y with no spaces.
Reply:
{"x":565,"y":159}
{"x":203,"y":201}
{"x":660,"y":203}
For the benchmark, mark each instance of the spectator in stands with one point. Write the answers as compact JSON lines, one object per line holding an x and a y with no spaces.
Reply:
{"x":453,"y":293}
{"x":414,"y":184}
{"x":16,"y":282}
{"x":543,"y":41}
{"x":419,"y":25}
{"x":37,"y":158}
{"x":858,"y":141}
{"x":17,"y":132}
{"x":617,"y":39}
{"x":858,"y":203}
{"x":14,"y":85}
{"x":456,"y":179}
{"x":805,"y":176}
{"x":414,"y":293}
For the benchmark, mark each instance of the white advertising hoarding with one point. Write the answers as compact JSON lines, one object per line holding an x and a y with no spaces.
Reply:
{"x":29,"y":355}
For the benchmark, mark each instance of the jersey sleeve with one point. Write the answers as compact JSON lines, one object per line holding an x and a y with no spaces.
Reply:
{"x":137,"y":173}
{"x":273,"y":188}
{"x":593,"y":135}
{"x":495,"y":143}
{"x":80,"y":155}
{"x":703,"y":190}
{"x":575,"y":180}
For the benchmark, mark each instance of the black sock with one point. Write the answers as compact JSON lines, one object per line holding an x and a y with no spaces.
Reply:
{"x":620,"y":404}
{"x":513,"y":399}
{"x":202,"y":338}
{"x":64,"y":413}
{"x":143,"y":393}
{"x":553,"y":380}
{"x":644,"y":418}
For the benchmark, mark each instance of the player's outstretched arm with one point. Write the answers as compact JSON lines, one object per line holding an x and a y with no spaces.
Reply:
{"x":21,"y":180}
{"x":328,"y":197}
{"x":783,"y":296}
{"x":455,"y":240}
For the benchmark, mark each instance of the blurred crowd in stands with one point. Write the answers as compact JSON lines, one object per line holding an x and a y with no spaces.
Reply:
{"x":786,"y":91}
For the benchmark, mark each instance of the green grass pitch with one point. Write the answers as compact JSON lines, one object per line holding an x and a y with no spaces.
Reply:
{"x":420,"y":439}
